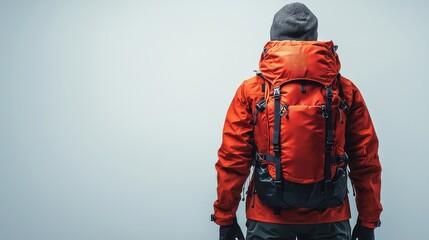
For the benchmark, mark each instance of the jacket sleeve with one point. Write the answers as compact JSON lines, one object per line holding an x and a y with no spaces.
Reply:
{"x":365,"y":168}
{"x":234,"y":158}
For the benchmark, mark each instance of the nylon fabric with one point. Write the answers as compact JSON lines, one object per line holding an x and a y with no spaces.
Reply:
{"x":324,"y":231}
{"x":284,"y":61}
{"x":290,"y":62}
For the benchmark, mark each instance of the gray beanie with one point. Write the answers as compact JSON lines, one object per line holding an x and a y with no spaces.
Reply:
{"x":294,"y":22}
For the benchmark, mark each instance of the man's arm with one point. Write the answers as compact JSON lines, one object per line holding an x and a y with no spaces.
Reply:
{"x":235,"y":158}
{"x":365,"y":168}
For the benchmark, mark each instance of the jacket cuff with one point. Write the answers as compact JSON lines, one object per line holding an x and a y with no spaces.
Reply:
{"x":222,"y":221}
{"x":370,"y":224}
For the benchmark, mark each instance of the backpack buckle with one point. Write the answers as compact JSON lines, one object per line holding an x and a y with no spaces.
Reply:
{"x":276,"y":92}
{"x":276,"y":149}
{"x":329,"y":93}
{"x":261,"y":105}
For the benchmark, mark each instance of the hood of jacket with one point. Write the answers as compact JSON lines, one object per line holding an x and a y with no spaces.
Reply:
{"x":283,"y":61}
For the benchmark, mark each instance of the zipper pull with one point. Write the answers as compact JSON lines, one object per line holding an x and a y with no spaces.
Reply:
{"x":324,"y":111}
{"x":283,"y":110}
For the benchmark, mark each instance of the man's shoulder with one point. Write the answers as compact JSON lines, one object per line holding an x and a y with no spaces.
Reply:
{"x":347,"y":85}
{"x":253,"y":85}
{"x":350,"y":90}
{"x":346,"y":82}
{"x":254,"y":80}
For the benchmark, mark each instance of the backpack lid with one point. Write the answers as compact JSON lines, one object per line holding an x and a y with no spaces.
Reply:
{"x":283,"y":61}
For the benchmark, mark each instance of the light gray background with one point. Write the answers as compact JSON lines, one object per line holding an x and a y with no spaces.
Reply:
{"x":111,"y":112}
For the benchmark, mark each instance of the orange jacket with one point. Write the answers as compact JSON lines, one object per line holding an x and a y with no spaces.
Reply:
{"x":280,"y":61}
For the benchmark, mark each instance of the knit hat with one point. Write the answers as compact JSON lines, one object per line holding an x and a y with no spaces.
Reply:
{"x":294,"y":22}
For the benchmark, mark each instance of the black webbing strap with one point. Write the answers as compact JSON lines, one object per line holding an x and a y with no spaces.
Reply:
{"x":329,"y":135}
{"x":276,"y":137}
{"x":261,"y":105}
{"x":334,"y":160}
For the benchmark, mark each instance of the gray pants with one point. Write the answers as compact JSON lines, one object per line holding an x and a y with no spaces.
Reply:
{"x":323,"y":231}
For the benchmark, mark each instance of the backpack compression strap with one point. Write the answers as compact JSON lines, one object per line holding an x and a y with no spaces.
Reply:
{"x":329,"y":135}
{"x":276,"y":138}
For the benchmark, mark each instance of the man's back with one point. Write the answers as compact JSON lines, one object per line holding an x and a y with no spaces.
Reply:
{"x":294,"y":155}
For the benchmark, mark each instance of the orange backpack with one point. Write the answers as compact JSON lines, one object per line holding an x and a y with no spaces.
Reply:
{"x":304,"y":122}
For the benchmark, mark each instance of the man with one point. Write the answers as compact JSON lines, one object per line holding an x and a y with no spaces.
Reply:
{"x":304,"y":156}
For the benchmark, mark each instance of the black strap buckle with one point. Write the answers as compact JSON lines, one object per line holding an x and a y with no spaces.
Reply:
{"x":276,"y":149}
{"x":329,"y":92}
{"x":261,"y":105}
{"x":343,"y":105}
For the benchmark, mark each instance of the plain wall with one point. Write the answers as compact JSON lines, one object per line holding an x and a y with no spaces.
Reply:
{"x":111,"y":112}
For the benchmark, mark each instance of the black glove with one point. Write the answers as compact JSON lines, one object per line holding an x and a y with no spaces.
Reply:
{"x":231,"y":232}
{"x":362,"y":233}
